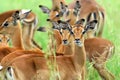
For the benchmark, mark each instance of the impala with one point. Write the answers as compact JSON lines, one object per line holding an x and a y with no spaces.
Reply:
{"x":98,"y":51}
{"x":29,"y":24}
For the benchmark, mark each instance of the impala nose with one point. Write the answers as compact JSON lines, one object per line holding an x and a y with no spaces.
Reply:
{"x":77,"y":40}
{"x":65,"y":42}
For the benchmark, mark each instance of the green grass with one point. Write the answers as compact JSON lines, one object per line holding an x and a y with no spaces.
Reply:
{"x":111,"y":28}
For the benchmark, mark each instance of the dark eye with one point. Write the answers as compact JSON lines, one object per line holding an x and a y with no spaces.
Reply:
{"x":0,"y":40}
{"x":6,"y":24}
{"x":71,"y":33}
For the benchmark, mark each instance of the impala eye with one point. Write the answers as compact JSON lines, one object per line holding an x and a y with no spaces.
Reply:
{"x":0,"y":40}
{"x":5,"y":24}
{"x":71,"y":33}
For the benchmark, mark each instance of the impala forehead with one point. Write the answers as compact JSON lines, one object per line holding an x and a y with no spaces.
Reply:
{"x":78,"y":29}
{"x":54,"y":13}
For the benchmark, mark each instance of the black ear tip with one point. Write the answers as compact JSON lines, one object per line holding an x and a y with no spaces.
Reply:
{"x":68,"y":20}
{"x":42,"y":29}
{"x":17,"y":12}
{"x":59,"y":21}
{"x":66,"y":5}
{"x":40,"y":5}
{"x":47,"y":19}
{"x":95,"y":21}
{"x":77,"y":1}
{"x":18,"y":18}
{"x":61,"y":2}
{"x":58,"y":15}
{"x":83,"y":20}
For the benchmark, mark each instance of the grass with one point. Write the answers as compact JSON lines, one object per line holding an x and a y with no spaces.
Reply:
{"x":111,"y":28}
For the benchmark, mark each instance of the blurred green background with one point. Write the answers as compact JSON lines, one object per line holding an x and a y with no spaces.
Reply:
{"x":111,"y":28}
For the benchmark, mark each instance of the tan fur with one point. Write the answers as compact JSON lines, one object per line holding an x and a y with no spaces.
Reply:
{"x":4,"y":40}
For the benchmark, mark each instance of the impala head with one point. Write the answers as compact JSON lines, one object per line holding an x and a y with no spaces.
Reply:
{"x":91,"y":25}
{"x":52,"y":13}
{"x":79,"y":30}
{"x":70,"y":13}
{"x":65,"y":31}
{"x":12,"y":22}
{"x":4,"y":39}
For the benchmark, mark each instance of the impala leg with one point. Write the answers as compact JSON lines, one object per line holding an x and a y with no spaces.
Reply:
{"x":83,"y":73}
{"x":103,"y":72}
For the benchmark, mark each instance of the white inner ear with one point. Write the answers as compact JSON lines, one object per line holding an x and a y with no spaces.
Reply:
{"x":1,"y":67}
{"x":83,"y":30}
{"x":23,"y":11}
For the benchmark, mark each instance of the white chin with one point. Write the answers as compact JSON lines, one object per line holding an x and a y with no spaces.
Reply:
{"x":79,"y":44}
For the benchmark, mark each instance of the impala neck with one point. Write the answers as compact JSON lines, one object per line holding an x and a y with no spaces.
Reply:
{"x":17,"y":36}
{"x":68,"y":49}
{"x":79,"y":55}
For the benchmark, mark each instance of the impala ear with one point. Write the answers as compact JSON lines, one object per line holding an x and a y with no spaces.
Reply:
{"x":59,"y":21}
{"x":77,"y":8}
{"x":45,"y":9}
{"x":77,"y":5}
{"x":81,"y":21}
{"x":68,"y":20}
{"x":42,"y":29}
{"x":48,"y":19}
{"x":62,"y":6}
{"x":92,"y":24}
{"x":63,"y":9}
{"x":15,"y":15}
{"x":24,"y":13}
